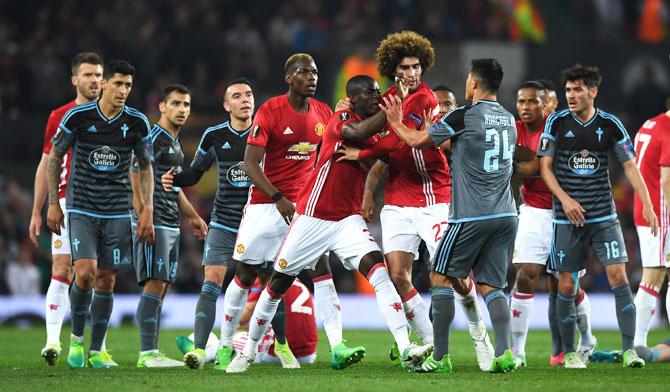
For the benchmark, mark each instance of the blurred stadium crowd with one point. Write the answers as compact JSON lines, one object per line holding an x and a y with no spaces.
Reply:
{"x":205,"y":43}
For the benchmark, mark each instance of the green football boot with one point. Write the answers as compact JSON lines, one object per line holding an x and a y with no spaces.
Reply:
{"x":185,"y":344}
{"x":97,"y":360}
{"x":50,"y":353}
{"x":107,"y":356}
{"x":224,"y":355}
{"x":157,"y":359}
{"x":342,"y":356}
{"x":573,"y":361}
{"x":414,"y":355}
{"x":431,"y":365}
{"x":504,"y":363}
{"x":75,"y":357}
{"x":394,"y":354}
{"x":285,"y":355}
{"x":632,"y":360}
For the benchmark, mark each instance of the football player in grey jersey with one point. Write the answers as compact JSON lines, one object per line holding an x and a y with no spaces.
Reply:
{"x":482,"y":217}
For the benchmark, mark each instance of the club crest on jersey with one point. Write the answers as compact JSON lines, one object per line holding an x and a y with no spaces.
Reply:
{"x":256,"y":131}
{"x":237,"y":177}
{"x":124,"y":129}
{"x":282,"y":263}
{"x":584,"y":163}
{"x":104,"y":159}
{"x":58,"y":244}
{"x":344,"y":116}
{"x":239,"y":249}
{"x":301,"y":151}
{"x":319,"y":128}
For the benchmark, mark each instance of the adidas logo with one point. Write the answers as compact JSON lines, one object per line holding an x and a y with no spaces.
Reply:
{"x":151,"y":320}
{"x":569,"y":134}
{"x":171,"y":150}
{"x":226,"y":146}
{"x":201,"y":315}
{"x":288,"y":131}
{"x":92,"y":128}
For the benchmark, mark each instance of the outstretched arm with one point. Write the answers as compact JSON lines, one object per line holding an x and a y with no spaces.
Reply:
{"x":365,"y":129}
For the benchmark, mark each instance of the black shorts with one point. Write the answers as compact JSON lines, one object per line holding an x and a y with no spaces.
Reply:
{"x":484,"y":247}
{"x":158,"y":261}
{"x":107,"y":240}
{"x":570,"y":245}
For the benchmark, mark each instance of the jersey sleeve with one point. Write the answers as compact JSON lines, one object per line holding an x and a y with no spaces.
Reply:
{"x":383,"y":147}
{"x":66,"y":136}
{"x":547,"y":144}
{"x":143,"y":148}
{"x":49,"y":132}
{"x":344,"y":117}
{"x":413,"y":112}
{"x":260,"y":129}
{"x":204,"y":155}
{"x":448,"y":126}
{"x":622,"y":145}
{"x":664,"y":156}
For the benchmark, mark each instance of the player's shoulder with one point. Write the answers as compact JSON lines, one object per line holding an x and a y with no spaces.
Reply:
{"x":215,"y":130}
{"x":77,"y":110}
{"x":606,"y":118}
{"x":134,"y":113}
{"x":558,"y":117}
{"x":61,"y":110}
{"x":161,"y":135}
{"x":321,"y":107}
{"x":276,"y":103}
{"x":341,"y":116}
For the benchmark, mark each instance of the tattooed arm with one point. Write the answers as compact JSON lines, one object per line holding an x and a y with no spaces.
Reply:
{"x":55,"y":216}
{"x":145,"y":224}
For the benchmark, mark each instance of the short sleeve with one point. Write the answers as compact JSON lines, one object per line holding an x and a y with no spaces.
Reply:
{"x":143,"y":147}
{"x":344,"y":117}
{"x":547,"y":143}
{"x":622,"y":145}
{"x":204,"y":155}
{"x":260,"y":129}
{"x":49,"y":132}
{"x":413,"y":111}
{"x":63,"y":139}
{"x":448,"y":126}
{"x":664,"y":156}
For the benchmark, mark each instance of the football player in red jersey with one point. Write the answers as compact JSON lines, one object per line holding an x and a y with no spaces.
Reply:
{"x":328,"y":219}
{"x":279,"y":158}
{"x":533,"y":240}
{"x":652,"y":148}
{"x":418,"y":190}
{"x":86,"y":77}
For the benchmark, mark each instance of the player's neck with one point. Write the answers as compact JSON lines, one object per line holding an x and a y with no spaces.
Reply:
{"x":168,"y":126}
{"x":533,"y":127}
{"x":81,"y":99}
{"x":484,"y":97}
{"x":239,"y":124}
{"x":586,"y":114}
{"x":298,"y":102}
{"x":108,"y":110}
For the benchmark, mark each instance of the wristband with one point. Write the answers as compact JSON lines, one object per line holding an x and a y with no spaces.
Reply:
{"x":277,"y":196}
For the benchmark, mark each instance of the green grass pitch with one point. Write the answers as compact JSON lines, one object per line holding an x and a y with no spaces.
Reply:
{"x":22,"y":369}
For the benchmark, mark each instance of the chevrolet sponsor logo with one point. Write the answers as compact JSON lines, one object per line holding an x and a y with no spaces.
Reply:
{"x":303,"y":148}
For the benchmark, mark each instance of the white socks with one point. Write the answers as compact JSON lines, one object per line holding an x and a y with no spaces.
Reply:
{"x":584,"y":318}
{"x":521,"y":307}
{"x":56,"y":307}
{"x":390,"y":305}
{"x":327,"y":306}
{"x":470,"y":307}
{"x":234,"y":301}
{"x":416,"y":313}
{"x":645,"y":306}
{"x":260,"y":320}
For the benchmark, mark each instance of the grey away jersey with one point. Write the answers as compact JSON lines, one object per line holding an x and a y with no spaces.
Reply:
{"x":225,"y":145}
{"x":581,"y":162}
{"x":483,"y":137}
{"x":101,"y":154}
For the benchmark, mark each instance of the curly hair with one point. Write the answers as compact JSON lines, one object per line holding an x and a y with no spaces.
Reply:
{"x":397,"y":46}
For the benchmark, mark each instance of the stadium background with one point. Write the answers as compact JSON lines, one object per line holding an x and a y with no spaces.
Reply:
{"x":203,"y":44}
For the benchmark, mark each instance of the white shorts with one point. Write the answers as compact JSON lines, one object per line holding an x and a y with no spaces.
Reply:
{"x":60,"y":244}
{"x":533,"y":237}
{"x":650,"y":247}
{"x":308,"y":238}
{"x":403,"y":228}
{"x":260,"y":234}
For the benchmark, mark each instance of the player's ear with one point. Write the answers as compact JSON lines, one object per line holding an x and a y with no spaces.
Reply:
{"x":226,"y":106}
{"x":288,"y":78}
{"x":161,"y":107}
{"x":73,"y":80}
{"x":593,"y":91}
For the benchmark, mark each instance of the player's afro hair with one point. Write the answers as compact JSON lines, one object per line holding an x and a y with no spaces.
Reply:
{"x":397,"y":46}
{"x":295,"y":59}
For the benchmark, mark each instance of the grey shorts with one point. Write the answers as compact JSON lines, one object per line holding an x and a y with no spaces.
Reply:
{"x":158,"y":261}
{"x":570,"y":245}
{"x":484,"y":247}
{"x":107,"y":240}
{"x":219,"y":246}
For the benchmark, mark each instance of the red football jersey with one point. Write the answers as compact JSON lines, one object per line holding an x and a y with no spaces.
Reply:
{"x":290,"y":140}
{"x":334,"y":191}
{"x":534,"y":191}
{"x":416,"y":178}
{"x":652,"y":150}
{"x":52,"y":126}
{"x":301,"y":331}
